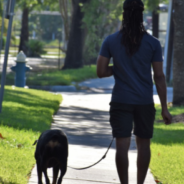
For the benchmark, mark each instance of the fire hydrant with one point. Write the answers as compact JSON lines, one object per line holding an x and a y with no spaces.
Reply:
{"x":20,"y":69}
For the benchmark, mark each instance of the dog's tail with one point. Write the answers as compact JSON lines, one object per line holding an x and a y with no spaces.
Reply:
{"x":35,"y":142}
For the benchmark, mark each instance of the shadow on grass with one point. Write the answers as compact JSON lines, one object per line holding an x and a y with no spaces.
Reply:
{"x":27,"y":110}
{"x":6,"y":182}
{"x":168,"y":135}
{"x":27,"y":98}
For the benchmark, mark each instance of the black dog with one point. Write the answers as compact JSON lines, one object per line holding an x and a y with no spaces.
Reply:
{"x":51,"y":151}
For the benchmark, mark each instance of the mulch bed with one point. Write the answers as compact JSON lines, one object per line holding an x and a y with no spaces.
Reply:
{"x":176,"y":119}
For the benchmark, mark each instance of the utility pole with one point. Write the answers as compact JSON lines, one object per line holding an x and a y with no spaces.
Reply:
{"x":9,"y":15}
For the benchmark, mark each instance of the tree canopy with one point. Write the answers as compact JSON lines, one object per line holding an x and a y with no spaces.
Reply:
{"x":153,"y":4}
{"x":102,"y":18}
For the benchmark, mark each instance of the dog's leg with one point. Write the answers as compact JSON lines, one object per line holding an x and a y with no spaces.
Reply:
{"x":39,"y":172}
{"x":55,"y":174}
{"x":63,"y":169}
{"x":47,"y":181}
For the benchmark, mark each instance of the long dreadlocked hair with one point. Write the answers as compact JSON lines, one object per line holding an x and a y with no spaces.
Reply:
{"x":132,"y":27}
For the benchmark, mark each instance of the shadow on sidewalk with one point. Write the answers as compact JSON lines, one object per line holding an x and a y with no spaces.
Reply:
{"x":85,"y":126}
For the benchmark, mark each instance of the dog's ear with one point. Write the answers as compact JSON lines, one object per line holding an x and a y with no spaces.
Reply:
{"x":35,"y":142}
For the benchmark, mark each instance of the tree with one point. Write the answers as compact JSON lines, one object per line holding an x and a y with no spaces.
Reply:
{"x":65,"y":7}
{"x":178,"y":64}
{"x":100,"y":19}
{"x":24,"y":35}
{"x":27,"y":7}
{"x":1,"y":9}
{"x":74,"y":54}
{"x":170,"y":51}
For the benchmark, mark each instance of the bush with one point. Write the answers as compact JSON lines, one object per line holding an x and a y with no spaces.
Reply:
{"x":3,"y":42}
{"x":35,"y":48}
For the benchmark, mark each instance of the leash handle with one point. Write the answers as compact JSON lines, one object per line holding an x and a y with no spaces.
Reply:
{"x":97,"y":161}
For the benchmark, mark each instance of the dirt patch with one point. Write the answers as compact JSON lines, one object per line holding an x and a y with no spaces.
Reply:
{"x":176,"y":119}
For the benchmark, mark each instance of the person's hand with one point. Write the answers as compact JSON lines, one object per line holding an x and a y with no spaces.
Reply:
{"x":166,"y":117}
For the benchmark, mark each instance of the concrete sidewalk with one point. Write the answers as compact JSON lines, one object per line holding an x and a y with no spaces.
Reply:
{"x":105,"y":85}
{"x":84,"y":118}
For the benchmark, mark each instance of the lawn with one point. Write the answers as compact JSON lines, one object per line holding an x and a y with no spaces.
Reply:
{"x":56,"y":77}
{"x":167,"y":162}
{"x":25,"y":114}
{"x":51,"y":52}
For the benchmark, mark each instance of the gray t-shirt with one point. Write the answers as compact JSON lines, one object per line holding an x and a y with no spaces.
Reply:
{"x":133,"y":79}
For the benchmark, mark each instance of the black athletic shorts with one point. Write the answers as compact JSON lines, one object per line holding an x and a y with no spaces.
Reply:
{"x":127,"y":117}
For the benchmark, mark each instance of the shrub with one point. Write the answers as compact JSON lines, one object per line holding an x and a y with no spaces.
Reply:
{"x":35,"y":48}
{"x":3,"y":42}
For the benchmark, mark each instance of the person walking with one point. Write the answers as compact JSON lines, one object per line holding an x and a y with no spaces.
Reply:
{"x":134,"y":52}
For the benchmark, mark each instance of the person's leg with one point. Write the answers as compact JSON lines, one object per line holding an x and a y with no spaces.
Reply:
{"x":122,"y":147}
{"x":121,"y":120}
{"x":143,"y":158}
{"x":144,"y":116}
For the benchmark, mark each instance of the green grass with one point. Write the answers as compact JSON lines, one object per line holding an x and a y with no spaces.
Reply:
{"x":52,"y":49}
{"x":167,"y":161}
{"x":16,"y":155}
{"x":57,"y":77}
{"x":55,"y":55}
{"x":25,"y":114}
{"x":55,"y":52}
{"x":51,"y":43}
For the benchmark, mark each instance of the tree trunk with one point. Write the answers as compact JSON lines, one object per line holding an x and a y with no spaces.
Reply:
{"x":155,"y":23}
{"x":74,"y":54}
{"x":24,"y":36}
{"x":65,"y":10}
{"x":178,"y":65}
{"x":170,"y":52}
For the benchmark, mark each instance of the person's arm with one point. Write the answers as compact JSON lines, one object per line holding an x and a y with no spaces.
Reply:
{"x":103,"y":68}
{"x":160,"y":83}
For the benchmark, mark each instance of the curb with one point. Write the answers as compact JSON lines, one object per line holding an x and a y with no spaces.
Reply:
{"x":55,"y":88}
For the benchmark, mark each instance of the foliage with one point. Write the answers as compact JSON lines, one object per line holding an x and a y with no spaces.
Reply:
{"x":51,"y":5}
{"x":65,"y":7}
{"x":101,"y":18}
{"x":27,"y":7}
{"x":1,"y":9}
{"x":4,"y":29}
{"x":35,"y":48}
{"x":25,"y":114}
{"x":153,"y":4}
{"x":3,"y":42}
{"x":31,"y":4}
{"x":37,"y":5}
{"x":1,"y":19}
